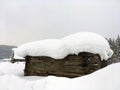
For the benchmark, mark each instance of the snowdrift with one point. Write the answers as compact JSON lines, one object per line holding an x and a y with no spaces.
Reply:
{"x":104,"y":79}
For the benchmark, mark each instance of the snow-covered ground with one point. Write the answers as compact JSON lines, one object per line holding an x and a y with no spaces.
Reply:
{"x":11,"y":78}
{"x":7,"y":68}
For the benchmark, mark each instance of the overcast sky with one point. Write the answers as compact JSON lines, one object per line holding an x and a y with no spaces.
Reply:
{"x":29,"y":20}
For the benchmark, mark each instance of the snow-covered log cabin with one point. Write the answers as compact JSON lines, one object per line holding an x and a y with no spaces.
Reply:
{"x":75,"y":55}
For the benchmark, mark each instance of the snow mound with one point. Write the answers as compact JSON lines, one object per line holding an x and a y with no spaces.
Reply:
{"x":73,"y":44}
{"x":88,"y":42}
{"x":50,"y":47}
{"x":103,"y":79}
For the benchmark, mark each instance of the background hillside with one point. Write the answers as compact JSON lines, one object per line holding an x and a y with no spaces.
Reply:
{"x":5,"y":51}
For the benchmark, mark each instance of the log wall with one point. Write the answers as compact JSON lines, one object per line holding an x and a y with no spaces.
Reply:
{"x":71,"y":66}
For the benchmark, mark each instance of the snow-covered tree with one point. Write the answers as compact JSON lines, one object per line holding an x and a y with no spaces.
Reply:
{"x":115,"y":46}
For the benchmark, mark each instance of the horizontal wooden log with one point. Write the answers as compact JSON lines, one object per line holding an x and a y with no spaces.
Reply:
{"x":71,"y":66}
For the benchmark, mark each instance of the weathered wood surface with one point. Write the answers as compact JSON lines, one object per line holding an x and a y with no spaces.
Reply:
{"x":70,"y":66}
{"x":13,"y":60}
{"x":17,"y":60}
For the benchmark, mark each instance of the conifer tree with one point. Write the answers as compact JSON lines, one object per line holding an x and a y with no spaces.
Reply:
{"x":115,"y":46}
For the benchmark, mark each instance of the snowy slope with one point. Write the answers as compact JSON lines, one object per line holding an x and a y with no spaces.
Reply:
{"x":7,"y":68}
{"x":60,"y":48}
{"x":107,"y":78}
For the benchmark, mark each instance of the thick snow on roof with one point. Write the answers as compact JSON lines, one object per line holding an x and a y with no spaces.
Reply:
{"x":88,"y":42}
{"x":50,"y":47}
{"x":73,"y":44}
{"x":104,"y":79}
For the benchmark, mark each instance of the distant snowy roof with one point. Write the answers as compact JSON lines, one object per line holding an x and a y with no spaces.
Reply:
{"x":73,"y":44}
